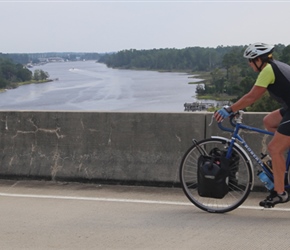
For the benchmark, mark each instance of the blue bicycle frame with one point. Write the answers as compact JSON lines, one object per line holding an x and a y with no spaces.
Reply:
{"x":235,"y":136}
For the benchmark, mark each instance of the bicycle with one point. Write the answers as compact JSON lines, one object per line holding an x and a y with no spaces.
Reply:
{"x":205,"y":158}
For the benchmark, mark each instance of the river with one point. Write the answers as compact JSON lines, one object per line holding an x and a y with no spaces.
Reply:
{"x":93,"y":86}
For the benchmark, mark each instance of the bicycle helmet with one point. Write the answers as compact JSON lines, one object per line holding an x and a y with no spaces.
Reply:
{"x":258,"y":49}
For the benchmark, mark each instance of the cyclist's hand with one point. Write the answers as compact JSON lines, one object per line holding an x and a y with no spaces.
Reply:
{"x":223,"y":113}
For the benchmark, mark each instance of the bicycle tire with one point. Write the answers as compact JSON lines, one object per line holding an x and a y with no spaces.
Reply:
{"x":238,"y":192}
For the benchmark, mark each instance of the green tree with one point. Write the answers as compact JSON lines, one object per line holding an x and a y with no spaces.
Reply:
{"x":3,"y":83}
{"x":230,"y":72}
{"x":265,"y":104}
{"x":22,"y":73}
{"x":218,"y":80}
{"x":40,"y":75}
{"x":285,"y":57}
{"x":11,"y":73}
{"x":43,"y":75}
{"x":231,"y":86}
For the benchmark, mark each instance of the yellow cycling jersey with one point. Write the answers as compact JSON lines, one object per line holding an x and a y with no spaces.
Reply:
{"x":275,"y":76}
{"x":266,"y":77}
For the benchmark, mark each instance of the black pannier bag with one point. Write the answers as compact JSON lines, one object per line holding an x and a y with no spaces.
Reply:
{"x":216,"y":173}
{"x":234,"y":163}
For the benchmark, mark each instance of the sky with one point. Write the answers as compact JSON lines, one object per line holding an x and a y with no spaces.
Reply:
{"x":111,"y":26}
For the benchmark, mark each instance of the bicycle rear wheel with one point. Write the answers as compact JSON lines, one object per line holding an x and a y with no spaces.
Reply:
{"x":239,"y":183}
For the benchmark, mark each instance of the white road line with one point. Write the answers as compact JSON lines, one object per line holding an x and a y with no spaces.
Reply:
{"x":94,"y":199}
{"x":127,"y":201}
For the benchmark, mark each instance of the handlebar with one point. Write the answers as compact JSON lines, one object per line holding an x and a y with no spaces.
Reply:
{"x":235,"y":118}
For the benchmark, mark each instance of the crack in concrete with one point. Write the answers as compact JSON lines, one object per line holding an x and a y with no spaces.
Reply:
{"x":178,"y":138}
{"x":264,"y":144}
{"x":37,"y":129}
{"x":6,"y":123}
{"x":55,"y":167}
{"x":82,"y":124}
{"x":56,"y":157}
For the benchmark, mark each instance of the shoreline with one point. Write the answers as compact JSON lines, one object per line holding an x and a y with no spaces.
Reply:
{"x":18,"y":84}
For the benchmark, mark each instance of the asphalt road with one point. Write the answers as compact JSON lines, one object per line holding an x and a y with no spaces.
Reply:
{"x":49,"y":215}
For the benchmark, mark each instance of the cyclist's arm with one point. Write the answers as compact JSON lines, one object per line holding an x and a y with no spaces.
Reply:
{"x":265,"y":78}
{"x":255,"y":93}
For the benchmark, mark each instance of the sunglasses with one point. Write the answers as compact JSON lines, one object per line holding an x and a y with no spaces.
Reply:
{"x":251,"y":60}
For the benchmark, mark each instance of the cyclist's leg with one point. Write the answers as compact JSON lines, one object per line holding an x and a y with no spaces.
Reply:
{"x":272,"y":120}
{"x":277,"y":147}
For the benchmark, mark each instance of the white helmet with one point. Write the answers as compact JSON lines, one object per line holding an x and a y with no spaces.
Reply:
{"x":258,"y":49}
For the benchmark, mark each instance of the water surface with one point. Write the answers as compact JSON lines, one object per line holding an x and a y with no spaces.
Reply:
{"x":95,"y":87}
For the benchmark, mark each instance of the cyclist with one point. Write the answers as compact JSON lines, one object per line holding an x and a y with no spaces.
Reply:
{"x":274,"y":76}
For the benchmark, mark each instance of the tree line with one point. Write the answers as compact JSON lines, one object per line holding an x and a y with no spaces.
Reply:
{"x":25,"y":58}
{"x":11,"y":74}
{"x":194,"y":59}
{"x":229,"y":73}
{"x":14,"y":72}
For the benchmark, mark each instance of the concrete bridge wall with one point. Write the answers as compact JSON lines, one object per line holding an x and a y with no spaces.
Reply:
{"x":105,"y":146}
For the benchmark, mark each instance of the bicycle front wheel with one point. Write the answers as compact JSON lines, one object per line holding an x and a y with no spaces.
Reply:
{"x":240,"y":180}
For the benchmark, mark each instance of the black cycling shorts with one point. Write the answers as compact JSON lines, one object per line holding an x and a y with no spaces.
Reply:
{"x":284,"y":126}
